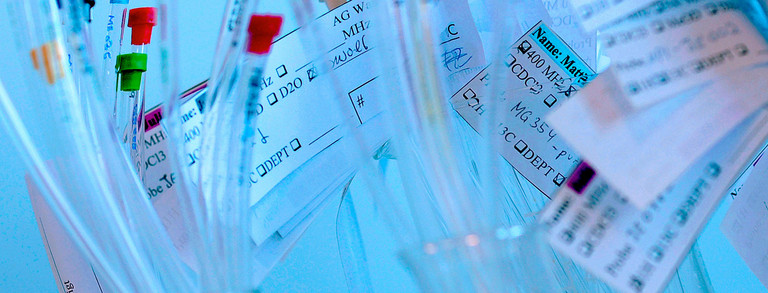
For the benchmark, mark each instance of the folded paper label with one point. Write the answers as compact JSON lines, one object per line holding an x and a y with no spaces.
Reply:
{"x":638,"y":250}
{"x":660,"y":56}
{"x":71,"y":270}
{"x":642,"y":153}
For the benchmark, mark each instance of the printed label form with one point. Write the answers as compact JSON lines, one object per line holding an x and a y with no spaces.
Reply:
{"x":735,"y":189}
{"x":746,"y":223}
{"x":638,"y":250}
{"x":659,"y":57}
{"x":460,"y":50}
{"x":542,"y":72}
{"x":297,"y":128}
{"x":71,"y":270}
{"x":160,"y":185}
{"x":642,"y":153}
{"x":598,"y":13}
{"x":317,"y":123}
{"x":566,"y":23}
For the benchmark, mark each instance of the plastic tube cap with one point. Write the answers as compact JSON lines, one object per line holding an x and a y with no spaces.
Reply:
{"x":262,"y":29}
{"x":141,"y":20}
{"x":130,"y":67}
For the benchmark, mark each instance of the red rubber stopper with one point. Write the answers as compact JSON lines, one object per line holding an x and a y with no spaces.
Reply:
{"x":262,"y":29}
{"x":141,"y":20}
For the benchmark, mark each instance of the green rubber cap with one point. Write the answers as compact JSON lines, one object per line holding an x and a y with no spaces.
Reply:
{"x":130,"y":67}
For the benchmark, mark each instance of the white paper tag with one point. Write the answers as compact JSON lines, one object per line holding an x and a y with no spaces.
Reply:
{"x":735,"y":189}
{"x":638,"y":250}
{"x":598,"y":13}
{"x":566,"y":23}
{"x":542,"y":72}
{"x":658,"y":57}
{"x":73,"y":273}
{"x":160,"y":185}
{"x":460,"y":49}
{"x":746,"y":223}
{"x":298,"y":150}
{"x":295,"y":125}
{"x":641,"y":154}
{"x":317,"y":123}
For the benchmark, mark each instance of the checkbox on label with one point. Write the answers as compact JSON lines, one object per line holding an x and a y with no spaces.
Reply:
{"x":559,"y":179}
{"x":509,"y":60}
{"x":281,"y":71}
{"x":312,"y":73}
{"x":524,"y":47}
{"x":295,"y":144}
{"x":272,"y":99}
{"x":469,"y":94}
{"x":521,"y":146}
{"x":550,"y":100}
{"x":262,"y":170}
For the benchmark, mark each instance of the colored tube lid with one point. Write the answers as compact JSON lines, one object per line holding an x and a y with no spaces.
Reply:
{"x":141,"y":20}
{"x":262,"y":29}
{"x":130,"y":67}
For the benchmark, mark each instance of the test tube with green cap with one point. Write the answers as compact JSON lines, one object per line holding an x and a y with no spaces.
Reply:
{"x":132,"y":80}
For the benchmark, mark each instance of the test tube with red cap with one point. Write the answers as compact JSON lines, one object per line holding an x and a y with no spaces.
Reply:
{"x":261,"y":31}
{"x":132,"y":79}
{"x":228,"y":148}
{"x":141,"y":21}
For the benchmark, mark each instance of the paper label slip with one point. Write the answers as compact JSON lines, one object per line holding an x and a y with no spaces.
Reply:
{"x":643,"y":153}
{"x":73,"y":273}
{"x":566,"y":23}
{"x":541,"y":72}
{"x":295,"y":125}
{"x":746,"y":223}
{"x":461,"y":53}
{"x":296,"y":128}
{"x":735,"y":189}
{"x":460,"y":49}
{"x":658,"y":57}
{"x":598,"y":13}
{"x":160,"y":181}
{"x":638,"y":250}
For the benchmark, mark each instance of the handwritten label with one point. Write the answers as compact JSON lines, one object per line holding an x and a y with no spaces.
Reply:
{"x":638,"y":250}
{"x":542,"y":72}
{"x":460,"y":47}
{"x":299,"y":149}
